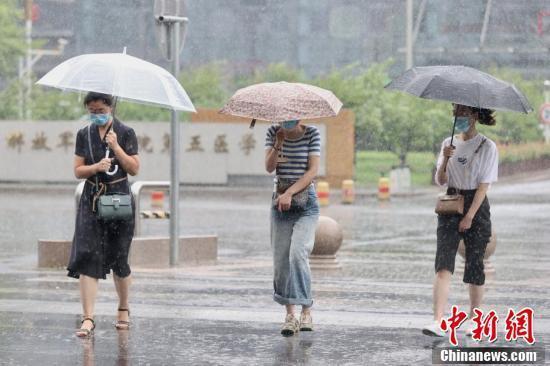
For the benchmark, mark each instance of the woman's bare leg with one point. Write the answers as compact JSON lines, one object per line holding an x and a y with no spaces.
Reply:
{"x":476,"y":297}
{"x":122,"y":285}
{"x":290,"y":309}
{"x":442,"y":283}
{"x":88,"y":293}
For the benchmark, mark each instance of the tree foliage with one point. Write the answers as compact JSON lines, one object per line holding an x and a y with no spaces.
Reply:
{"x":385,"y":120}
{"x":12,"y":43}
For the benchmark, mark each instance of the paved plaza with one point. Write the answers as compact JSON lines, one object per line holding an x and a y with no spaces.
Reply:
{"x":367,"y":313}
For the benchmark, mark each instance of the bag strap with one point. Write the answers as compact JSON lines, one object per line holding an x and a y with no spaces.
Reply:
{"x":93,"y":161}
{"x":101,"y":190}
{"x":476,"y":151}
{"x":480,"y":145}
{"x":90,"y":144}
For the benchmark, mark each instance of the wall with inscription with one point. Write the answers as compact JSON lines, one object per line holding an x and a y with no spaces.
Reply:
{"x":43,"y":151}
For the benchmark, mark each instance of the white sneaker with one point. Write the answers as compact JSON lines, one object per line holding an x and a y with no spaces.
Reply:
{"x":291,"y":326}
{"x":306,"y":323}
{"x":433,"y":329}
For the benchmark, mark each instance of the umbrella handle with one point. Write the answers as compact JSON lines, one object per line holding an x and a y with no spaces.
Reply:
{"x":116,"y":166}
{"x":452,"y":138}
{"x":115,"y":99}
{"x":453,"y":133}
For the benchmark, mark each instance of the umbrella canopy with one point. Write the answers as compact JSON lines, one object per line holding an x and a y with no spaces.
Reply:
{"x":120,"y":75}
{"x":282,"y":101}
{"x":462,"y":85}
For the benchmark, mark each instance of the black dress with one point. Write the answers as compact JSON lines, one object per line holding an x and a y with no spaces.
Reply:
{"x":99,"y":247}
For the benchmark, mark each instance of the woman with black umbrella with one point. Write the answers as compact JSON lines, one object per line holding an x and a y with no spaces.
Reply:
{"x":467,"y":167}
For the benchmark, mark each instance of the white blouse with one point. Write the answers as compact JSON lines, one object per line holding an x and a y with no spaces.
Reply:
{"x":467,"y":169}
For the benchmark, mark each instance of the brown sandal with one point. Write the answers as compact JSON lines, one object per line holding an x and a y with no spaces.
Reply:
{"x":123,"y":324}
{"x":83,"y":332}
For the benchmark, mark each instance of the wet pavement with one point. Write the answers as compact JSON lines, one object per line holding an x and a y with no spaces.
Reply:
{"x":368,"y":312}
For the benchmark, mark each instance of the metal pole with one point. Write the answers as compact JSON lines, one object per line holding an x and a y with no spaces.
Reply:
{"x":419,"y":17}
{"x":21,"y":98}
{"x":174,"y":31}
{"x":409,"y":59}
{"x":485,"y":24}
{"x":28,"y":79}
{"x":545,"y":127}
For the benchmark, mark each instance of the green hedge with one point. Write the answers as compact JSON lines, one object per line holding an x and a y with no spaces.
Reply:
{"x":371,"y":165}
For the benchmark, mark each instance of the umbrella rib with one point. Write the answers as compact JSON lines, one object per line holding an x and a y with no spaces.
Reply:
{"x":116,"y":78}
{"x":83,"y":66}
{"x":167,"y":87}
{"x":478,"y":94}
{"x":425,"y":88}
{"x":524,"y":101}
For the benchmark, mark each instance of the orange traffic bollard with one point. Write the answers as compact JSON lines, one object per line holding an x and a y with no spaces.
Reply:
{"x":348,"y":191}
{"x":383,"y":188}
{"x":157,"y":199}
{"x":323,"y":193}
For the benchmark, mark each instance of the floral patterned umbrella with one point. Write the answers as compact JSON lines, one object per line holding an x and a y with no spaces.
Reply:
{"x":282,"y":101}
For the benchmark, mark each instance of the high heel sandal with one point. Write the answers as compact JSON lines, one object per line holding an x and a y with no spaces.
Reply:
{"x":123,"y":324}
{"x":84,"y":332}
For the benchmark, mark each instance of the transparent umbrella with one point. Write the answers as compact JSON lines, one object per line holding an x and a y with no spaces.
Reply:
{"x":120,"y":75}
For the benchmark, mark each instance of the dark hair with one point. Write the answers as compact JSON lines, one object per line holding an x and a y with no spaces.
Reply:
{"x":93,"y":96}
{"x":486,"y":116}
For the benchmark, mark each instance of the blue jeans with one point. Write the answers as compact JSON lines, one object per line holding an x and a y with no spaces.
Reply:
{"x":292,"y":239}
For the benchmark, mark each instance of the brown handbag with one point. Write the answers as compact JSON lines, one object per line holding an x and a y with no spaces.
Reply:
{"x":450,"y":204}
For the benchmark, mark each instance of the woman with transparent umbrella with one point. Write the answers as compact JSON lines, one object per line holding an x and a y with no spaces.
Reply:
{"x":124,"y":77}
{"x":99,"y":247}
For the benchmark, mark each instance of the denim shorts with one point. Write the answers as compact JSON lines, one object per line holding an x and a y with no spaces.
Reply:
{"x":475,"y":240}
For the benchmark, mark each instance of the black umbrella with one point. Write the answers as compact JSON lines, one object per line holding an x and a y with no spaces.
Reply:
{"x":461,"y":85}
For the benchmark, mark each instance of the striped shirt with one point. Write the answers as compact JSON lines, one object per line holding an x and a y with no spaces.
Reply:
{"x":296,"y":151}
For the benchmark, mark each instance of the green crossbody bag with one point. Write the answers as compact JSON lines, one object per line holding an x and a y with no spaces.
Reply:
{"x":114,"y":207}
{"x":110,"y":206}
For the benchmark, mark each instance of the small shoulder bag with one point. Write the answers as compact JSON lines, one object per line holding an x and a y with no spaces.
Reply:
{"x":453,"y":204}
{"x":113,"y":206}
{"x":299,"y":200}
{"x":450,"y":204}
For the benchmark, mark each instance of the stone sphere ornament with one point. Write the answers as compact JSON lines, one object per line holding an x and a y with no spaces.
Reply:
{"x":328,"y":239}
{"x":489,"y":251}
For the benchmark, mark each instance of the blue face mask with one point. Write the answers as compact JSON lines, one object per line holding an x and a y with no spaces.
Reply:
{"x":289,"y":125}
{"x":462,"y":124}
{"x":100,"y":119}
